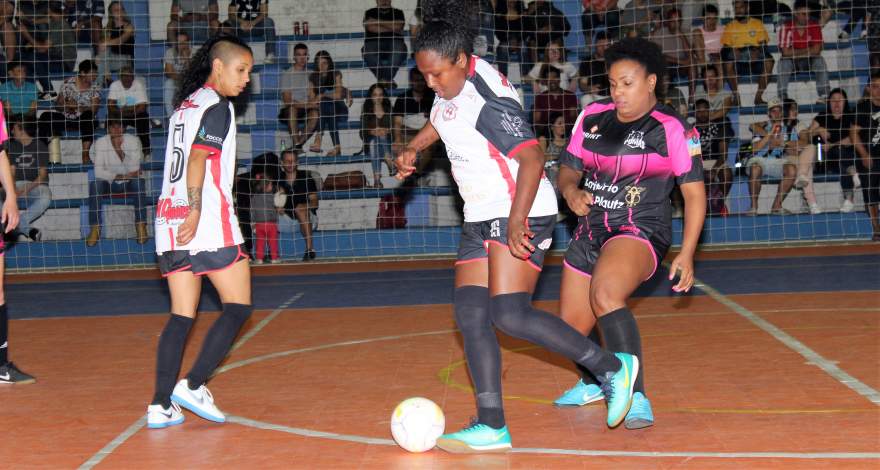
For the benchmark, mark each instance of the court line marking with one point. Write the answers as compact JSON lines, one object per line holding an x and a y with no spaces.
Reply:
{"x":111,"y":446}
{"x":579,"y":452}
{"x":811,"y":356}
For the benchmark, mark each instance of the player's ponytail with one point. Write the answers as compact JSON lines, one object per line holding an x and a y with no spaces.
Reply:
{"x":448,"y":28}
{"x":199,"y":69}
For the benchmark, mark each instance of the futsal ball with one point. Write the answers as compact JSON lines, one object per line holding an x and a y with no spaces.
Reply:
{"x":416,"y":424}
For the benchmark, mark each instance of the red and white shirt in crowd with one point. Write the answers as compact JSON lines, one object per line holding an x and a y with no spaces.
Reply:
{"x":484,"y":127}
{"x":803,"y":38}
{"x":205,"y":121}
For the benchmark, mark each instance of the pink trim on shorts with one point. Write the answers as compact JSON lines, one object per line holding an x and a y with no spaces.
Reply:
{"x":472,"y":260}
{"x":646,"y":242}
{"x":236,"y":260}
{"x":576,"y":270}
{"x":529,"y":261}
{"x":177,"y":270}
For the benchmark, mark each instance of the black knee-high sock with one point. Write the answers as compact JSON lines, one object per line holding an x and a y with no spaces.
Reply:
{"x":4,"y":336}
{"x":514,"y":315}
{"x":168,"y":357}
{"x":586,"y":376}
{"x":621,"y":333}
{"x":481,"y":351}
{"x":217,"y":342}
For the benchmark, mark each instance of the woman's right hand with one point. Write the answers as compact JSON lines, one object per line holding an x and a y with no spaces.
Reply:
{"x":405,"y":163}
{"x":579,"y":201}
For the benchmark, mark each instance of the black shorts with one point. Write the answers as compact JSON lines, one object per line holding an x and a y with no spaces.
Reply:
{"x":201,"y":263}
{"x":476,"y":237}
{"x":583,"y":251}
{"x":870,"y":181}
{"x":284,"y":114}
{"x":747,"y":60}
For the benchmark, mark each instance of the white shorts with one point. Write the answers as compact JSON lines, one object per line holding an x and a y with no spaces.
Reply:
{"x":770,"y":167}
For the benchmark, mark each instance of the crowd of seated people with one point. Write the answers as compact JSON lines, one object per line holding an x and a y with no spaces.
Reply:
{"x":709,"y":60}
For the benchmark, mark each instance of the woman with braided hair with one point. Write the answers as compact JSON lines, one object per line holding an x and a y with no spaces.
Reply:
{"x":510,"y":211}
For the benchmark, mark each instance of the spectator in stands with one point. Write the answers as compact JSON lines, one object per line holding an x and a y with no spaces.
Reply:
{"x":554,"y":100}
{"x":298,"y":102}
{"x":76,"y":107}
{"x":85,"y":17}
{"x":803,"y":153}
{"x":769,"y":142}
{"x":636,"y":19}
{"x":301,"y":205}
{"x":673,"y":97}
{"x":744,"y":51}
{"x":720,"y":99}
{"x":29,"y":157}
{"x":376,"y":133}
{"x":19,"y":95}
{"x":800,"y":44}
{"x":484,"y":43}
{"x":592,"y":76}
{"x":543,"y":23}
{"x":707,"y":37}
{"x":8,"y":36}
{"x":600,"y":17}
{"x":857,"y":11}
{"x":128,"y":99}
{"x":510,"y":31}
{"x":49,"y":43}
{"x":553,"y":144}
{"x":554,"y":56}
{"x":384,"y":50}
{"x":415,"y":21}
{"x":327,"y":88}
{"x":249,"y":20}
{"x":117,"y":157}
{"x":198,"y":18}
{"x":676,"y":49}
{"x":264,"y":215}
{"x":714,"y":138}
{"x":175,"y":62}
{"x":830,"y":129}
{"x":411,"y":110}
{"x":865,"y":134}
{"x":117,"y":46}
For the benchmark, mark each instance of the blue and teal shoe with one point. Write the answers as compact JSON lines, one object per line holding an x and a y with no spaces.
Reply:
{"x":475,"y":439}
{"x":580,"y":395}
{"x":640,"y":414}
{"x":618,"y":388}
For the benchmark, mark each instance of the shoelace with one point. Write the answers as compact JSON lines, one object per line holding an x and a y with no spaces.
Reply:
{"x":607,"y":389}
{"x":175,"y":407}
{"x":473,"y":425}
{"x":208,"y":394}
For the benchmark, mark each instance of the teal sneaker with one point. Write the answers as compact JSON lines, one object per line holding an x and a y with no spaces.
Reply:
{"x":640,"y":414}
{"x":618,"y":388}
{"x":474,"y":439}
{"x":580,"y":395}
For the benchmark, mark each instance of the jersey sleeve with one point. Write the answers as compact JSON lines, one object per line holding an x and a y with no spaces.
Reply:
{"x":572,"y":161}
{"x":503,"y":123}
{"x":213,"y":128}
{"x":4,"y":135}
{"x":686,"y":153}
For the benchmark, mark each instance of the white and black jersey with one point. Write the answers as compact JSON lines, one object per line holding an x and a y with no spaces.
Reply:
{"x":483,"y":128}
{"x":205,"y":121}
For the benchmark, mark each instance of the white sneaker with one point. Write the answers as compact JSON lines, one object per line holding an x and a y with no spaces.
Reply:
{"x":199,"y":401}
{"x":847,"y":206}
{"x":258,"y":261}
{"x":815,"y":209}
{"x":801,"y":182}
{"x":275,"y":261}
{"x":158,"y":417}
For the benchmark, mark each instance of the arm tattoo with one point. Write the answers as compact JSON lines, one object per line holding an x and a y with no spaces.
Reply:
{"x":195,"y":197}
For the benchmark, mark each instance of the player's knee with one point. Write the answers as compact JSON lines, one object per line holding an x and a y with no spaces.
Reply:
{"x":239,"y":312}
{"x":510,"y":312}
{"x":472,"y":308}
{"x":604,"y":298}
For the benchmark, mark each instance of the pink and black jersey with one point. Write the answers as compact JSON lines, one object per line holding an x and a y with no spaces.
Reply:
{"x":483,"y":128}
{"x":632,"y":167}
{"x":4,"y":134}
{"x":205,"y":121}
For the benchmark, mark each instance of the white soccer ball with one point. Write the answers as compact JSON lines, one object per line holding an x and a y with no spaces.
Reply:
{"x":416,"y":424}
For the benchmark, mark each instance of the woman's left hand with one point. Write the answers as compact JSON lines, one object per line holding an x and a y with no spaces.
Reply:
{"x":10,"y":214}
{"x":683,"y":265}
{"x":518,"y":236}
